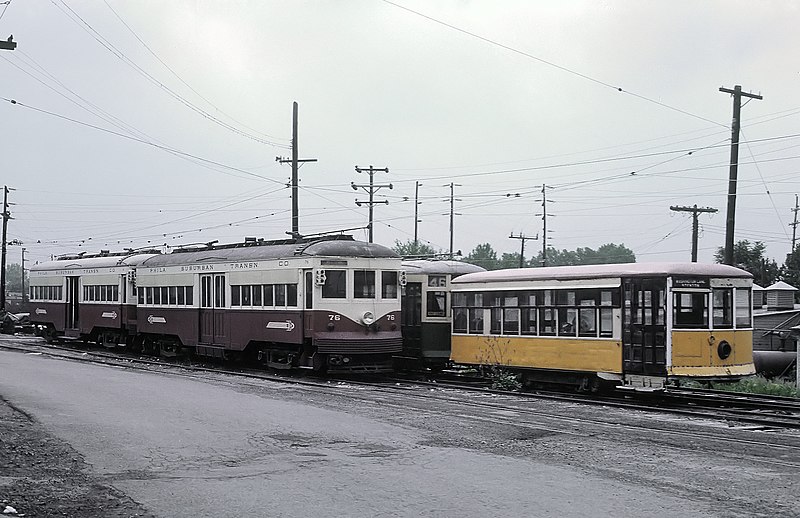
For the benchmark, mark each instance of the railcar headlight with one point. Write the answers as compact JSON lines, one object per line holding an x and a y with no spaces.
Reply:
{"x":724,"y":349}
{"x":368,"y":317}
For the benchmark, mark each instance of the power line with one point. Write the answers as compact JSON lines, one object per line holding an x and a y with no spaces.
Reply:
{"x":142,"y":141}
{"x":179,"y":78}
{"x":75,"y":17}
{"x":550,"y":63}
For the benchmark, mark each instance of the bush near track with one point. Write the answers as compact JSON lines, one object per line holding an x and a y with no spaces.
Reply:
{"x":760,"y":385}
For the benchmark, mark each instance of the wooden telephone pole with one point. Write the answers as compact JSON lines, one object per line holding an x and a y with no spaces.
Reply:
{"x":294,"y":161}
{"x":695,"y":211}
{"x":731,"y":213}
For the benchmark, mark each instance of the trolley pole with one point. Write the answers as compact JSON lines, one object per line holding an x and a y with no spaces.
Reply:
{"x":294,"y":161}
{"x":695,"y":211}
{"x":522,"y":237}
{"x":734,"y":166}
{"x":371,"y":189}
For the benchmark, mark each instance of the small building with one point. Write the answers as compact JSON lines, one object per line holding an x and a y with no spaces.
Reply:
{"x":758,"y":297}
{"x":780,"y":296}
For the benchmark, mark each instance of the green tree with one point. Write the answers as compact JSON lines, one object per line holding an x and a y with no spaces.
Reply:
{"x":750,"y":257}
{"x":790,"y":273}
{"x":609,"y":253}
{"x":509,"y":261}
{"x":14,"y":278}
{"x":483,"y":255}
{"x":412,"y":249}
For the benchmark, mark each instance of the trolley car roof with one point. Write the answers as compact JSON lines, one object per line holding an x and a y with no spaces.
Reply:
{"x":263,"y":252}
{"x":441,"y":267}
{"x":105,"y":261}
{"x":605,"y":271}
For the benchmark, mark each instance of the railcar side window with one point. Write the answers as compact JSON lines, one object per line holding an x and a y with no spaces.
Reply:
{"x":269,"y":291}
{"x":101,"y":293}
{"x":280,"y":294}
{"x":743,"y":308}
{"x":335,"y":286}
{"x":364,"y":284}
{"x":460,"y":319}
{"x":476,"y":321}
{"x":606,"y":322}
{"x":547,"y":321}
{"x":46,"y":293}
{"x":690,"y":309}
{"x":567,"y":321}
{"x":437,"y":304}
{"x":388,"y":285}
{"x":528,"y":321}
{"x":723,"y":307}
{"x":496,"y":324}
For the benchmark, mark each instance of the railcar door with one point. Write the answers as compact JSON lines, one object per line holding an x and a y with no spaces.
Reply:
{"x":644,"y":327}
{"x":411,"y":317}
{"x":73,"y":306}
{"x":212,"y":309}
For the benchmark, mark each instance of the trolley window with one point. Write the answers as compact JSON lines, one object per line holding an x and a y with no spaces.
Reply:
{"x":743,"y":308}
{"x":722,"y":300}
{"x":476,"y":321}
{"x":437,"y":304}
{"x":335,"y":286}
{"x":388,"y":285}
{"x":364,"y":284}
{"x":690,"y":309}
{"x":460,"y":319}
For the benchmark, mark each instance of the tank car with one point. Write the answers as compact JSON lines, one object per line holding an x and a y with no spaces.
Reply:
{"x":639,"y":325}
{"x":426,"y":315}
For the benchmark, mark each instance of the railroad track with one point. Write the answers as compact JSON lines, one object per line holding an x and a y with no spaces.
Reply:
{"x":776,"y":413}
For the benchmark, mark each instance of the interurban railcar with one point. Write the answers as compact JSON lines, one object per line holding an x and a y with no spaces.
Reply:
{"x":88,"y":297}
{"x":328,"y":304}
{"x":426,"y":313}
{"x":640,"y":324}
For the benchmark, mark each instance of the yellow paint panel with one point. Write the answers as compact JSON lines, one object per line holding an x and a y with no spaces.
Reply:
{"x":538,"y":352}
{"x":699,"y":348}
{"x":713,"y":372}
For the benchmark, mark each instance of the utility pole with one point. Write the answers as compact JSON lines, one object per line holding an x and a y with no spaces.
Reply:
{"x":294,"y":161}
{"x":416,"y":211}
{"x":6,"y":217}
{"x":452,"y":213}
{"x":371,"y":189}
{"x":794,"y":225}
{"x":695,"y":211}
{"x":522,"y":237}
{"x":544,"y":224}
{"x":24,"y":292}
{"x":734,"y":166}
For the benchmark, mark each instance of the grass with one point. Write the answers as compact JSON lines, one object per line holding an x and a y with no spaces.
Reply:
{"x":760,"y":385}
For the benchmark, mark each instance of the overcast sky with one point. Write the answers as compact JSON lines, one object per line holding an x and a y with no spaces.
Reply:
{"x":149,"y":122}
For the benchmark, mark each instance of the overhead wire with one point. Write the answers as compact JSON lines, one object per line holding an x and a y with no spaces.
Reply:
{"x":550,"y":63}
{"x":179,"y":78}
{"x":143,"y":141}
{"x":75,"y":17}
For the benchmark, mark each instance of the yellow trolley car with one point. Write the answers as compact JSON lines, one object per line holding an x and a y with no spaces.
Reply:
{"x":641,"y":325}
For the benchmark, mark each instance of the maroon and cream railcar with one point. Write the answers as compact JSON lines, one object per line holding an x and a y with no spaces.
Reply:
{"x":328,"y":304}
{"x":86,"y":297}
